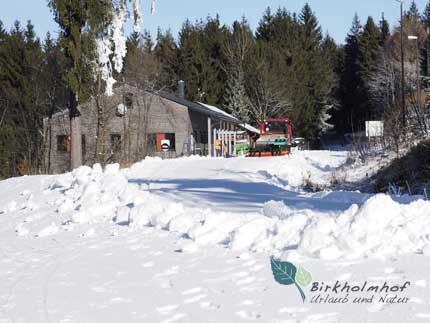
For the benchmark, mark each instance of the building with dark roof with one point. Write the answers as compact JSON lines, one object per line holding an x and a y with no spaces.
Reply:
{"x":137,"y":124}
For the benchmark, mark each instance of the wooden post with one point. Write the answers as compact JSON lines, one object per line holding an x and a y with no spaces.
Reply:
{"x":209,"y":136}
{"x":229,"y":140}
{"x":222,"y":141}
{"x":234,"y":143}
{"x":215,"y":138}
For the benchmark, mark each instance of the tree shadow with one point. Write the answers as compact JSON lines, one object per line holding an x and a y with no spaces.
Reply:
{"x":238,"y":194}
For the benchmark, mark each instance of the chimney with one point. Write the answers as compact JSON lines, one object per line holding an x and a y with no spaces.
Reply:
{"x":181,"y":89}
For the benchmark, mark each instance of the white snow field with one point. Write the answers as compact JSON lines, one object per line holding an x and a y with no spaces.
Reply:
{"x":190,"y":240}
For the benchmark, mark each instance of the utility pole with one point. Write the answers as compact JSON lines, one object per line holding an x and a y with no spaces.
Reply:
{"x":418,"y":71}
{"x":428,"y":51}
{"x":402,"y":54}
{"x":428,"y":45}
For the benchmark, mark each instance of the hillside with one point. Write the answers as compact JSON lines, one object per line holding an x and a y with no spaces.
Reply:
{"x":409,"y":173}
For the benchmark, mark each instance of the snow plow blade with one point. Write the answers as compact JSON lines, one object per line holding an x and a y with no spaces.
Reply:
{"x":267,"y":154}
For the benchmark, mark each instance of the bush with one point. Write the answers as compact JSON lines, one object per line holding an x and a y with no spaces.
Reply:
{"x":338,"y":177}
{"x":309,"y":186}
{"x":410,"y":172}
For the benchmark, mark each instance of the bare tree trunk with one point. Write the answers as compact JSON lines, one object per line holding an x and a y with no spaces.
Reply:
{"x":101,"y":135}
{"x":48,"y":170}
{"x":147,"y":102}
{"x":101,"y":129}
{"x":124,"y":153}
{"x":3,"y":115}
{"x":75,"y":134}
{"x":76,"y":147}
{"x":139,"y":134}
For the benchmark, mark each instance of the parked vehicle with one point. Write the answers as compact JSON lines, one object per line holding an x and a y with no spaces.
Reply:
{"x":276,"y":138}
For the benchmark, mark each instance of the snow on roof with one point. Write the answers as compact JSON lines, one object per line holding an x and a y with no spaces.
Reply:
{"x":200,"y":108}
{"x":250,"y":128}
{"x":218,"y":110}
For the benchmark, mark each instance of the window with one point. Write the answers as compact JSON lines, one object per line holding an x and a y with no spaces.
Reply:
{"x":171,"y":137}
{"x":203,"y":137}
{"x":115,"y":142}
{"x":159,"y":137}
{"x":276,"y":127}
{"x":151,"y":141}
{"x":128,"y":100}
{"x":62,"y":143}
{"x":84,"y":145}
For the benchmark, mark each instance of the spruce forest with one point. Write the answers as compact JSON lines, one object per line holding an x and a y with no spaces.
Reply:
{"x":287,"y":67}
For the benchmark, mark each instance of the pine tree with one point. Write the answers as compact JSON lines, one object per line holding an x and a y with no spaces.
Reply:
{"x":350,"y":82}
{"x":425,"y":18}
{"x":368,"y":46}
{"x":413,"y":13}
{"x":315,"y":78}
{"x":264,"y":27}
{"x":133,"y":43}
{"x":333,"y":56}
{"x":22,"y":97}
{"x":330,"y":51}
{"x":384,"y":29}
{"x":148,"y":43}
{"x":166,"y":51}
{"x":9,"y":74}
{"x":311,"y":30}
{"x":213,"y":38}
{"x":2,"y":32}
{"x":191,"y":59}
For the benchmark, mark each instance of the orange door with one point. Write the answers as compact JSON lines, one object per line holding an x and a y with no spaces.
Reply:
{"x":159,"y":137}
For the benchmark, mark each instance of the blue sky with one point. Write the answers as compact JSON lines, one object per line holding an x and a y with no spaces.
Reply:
{"x":335,"y":16}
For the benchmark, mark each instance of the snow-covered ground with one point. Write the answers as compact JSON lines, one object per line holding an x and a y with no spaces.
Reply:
{"x":190,"y":240}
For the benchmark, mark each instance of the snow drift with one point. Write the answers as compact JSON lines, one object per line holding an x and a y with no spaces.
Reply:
{"x":380,"y":226}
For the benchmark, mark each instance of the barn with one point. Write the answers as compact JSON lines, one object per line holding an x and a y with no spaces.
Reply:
{"x":136,"y":123}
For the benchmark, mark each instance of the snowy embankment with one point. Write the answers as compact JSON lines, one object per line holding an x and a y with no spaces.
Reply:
{"x":245,"y":204}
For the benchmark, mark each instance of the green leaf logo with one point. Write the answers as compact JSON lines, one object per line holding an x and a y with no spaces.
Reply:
{"x":285,"y":273}
{"x":303,"y":277}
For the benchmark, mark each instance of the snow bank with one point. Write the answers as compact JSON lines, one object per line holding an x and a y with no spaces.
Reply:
{"x":381,"y":226}
{"x":315,"y":166}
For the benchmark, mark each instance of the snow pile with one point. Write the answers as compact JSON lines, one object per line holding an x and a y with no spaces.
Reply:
{"x":302,"y":166}
{"x":380,"y":226}
{"x":91,"y":196}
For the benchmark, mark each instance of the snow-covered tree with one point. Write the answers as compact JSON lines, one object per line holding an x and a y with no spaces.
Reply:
{"x":236,"y":49}
{"x":236,"y":98}
{"x":111,"y":45}
{"x":94,"y":43}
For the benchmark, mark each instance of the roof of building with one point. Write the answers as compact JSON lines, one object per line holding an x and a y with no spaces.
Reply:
{"x":198,"y":107}
{"x":250,"y":128}
{"x":217,"y":110}
{"x":201,"y":108}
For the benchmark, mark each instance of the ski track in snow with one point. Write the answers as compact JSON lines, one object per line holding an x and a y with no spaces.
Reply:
{"x":100,"y":269}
